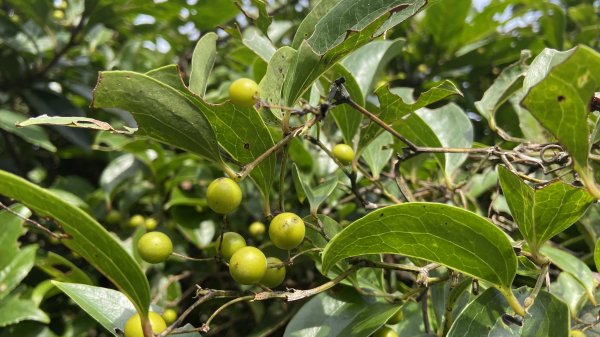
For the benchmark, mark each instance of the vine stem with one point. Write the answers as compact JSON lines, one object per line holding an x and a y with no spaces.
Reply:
{"x":180,"y":319}
{"x":283,"y":142}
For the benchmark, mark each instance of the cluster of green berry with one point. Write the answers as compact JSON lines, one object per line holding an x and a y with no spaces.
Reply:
{"x":247,"y":265}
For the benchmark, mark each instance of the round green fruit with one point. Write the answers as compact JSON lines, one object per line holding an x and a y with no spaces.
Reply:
{"x":137,"y":220}
{"x":169,"y":315}
{"x":275,"y":273}
{"x":286,"y":231}
{"x":133,"y":327}
{"x":155,"y":247}
{"x":384,"y":331}
{"x":232,"y":242}
{"x":257,"y":229}
{"x":397,"y":318}
{"x":248,"y":265}
{"x":243,"y":92}
{"x":577,"y":333}
{"x":150,"y":224}
{"x":343,"y":153}
{"x":223,"y":195}
{"x":114,"y":217}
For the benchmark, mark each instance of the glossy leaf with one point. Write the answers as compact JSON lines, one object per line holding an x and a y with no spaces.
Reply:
{"x":570,"y":291}
{"x":33,"y":134}
{"x":366,"y":62}
{"x":453,"y":128}
{"x":338,"y":30}
{"x":162,"y":112}
{"x":117,"y":171}
{"x":348,"y":119}
{"x":414,"y":128}
{"x":272,"y":82}
{"x":258,"y":43}
{"x":378,"y":153}
{"x":12,"y":229}
{"x":203,"y":60}
{"x":86,"y":237}
{"x":325,"y":316}
{"x":14,"y":309}
{"x":572,"y":265}
{"x":15,"y":271}
{"x":108,"y":307}
{"x":394,"y":109}
{"x":545,"y":212}
{"x":440,"y":233}
{"x":559,"y":100}
{"x":318,"y":194}
{"x":548,"y":316}
{"x":63,"y":270}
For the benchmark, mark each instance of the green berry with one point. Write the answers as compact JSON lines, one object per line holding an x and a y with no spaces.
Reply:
{"x":113,"y":217}
{"x":248,"y":265}
{"x":232,"y":241}
{"x":257,"y":229}
{"x":150,"y":224}
{"x":169,"y":315}
{"x":343,"y":153}
{"x":275,"y":273}
{"x":133,"y":327}
{"x":223,"y":195}
{"x":243,"y":92}
{"x":287,"y":231}
{"x":155,"y":247}
{"x":384,"y":331}
{"x":396,"y":318}
{"x":137,"y":220}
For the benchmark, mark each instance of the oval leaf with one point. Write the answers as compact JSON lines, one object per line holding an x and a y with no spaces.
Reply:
{"x":542,"y":213}
{"x":86,"y":237}
{"x":440,"y":233}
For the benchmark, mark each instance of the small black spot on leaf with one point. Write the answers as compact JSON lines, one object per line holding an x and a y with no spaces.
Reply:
{"x":561,"y":98}
{"x":246,"y":146}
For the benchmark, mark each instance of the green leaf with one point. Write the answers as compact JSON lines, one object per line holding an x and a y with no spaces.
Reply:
{"x":34,"y":134}
{"x":74,"y":122}
{"x":12,"y":229}
{"x":169,"y":75}
{"x":570,"y":291}
{"x":545,"y":212}
{"x":62,"y":269}
{"x":327,"y":317}
{"x":440,"y":233}
{"x":108,"y":307}
{"x":573,"y":266}
{"x":272,"y":83}
{"x":369,"y":60}
{"x":559,"y":100}
{"x":414,"y":128}
{"x":394,"y":109}
{"x":203,"y":60}
{"x":14,"y":310}
{"x":506,"y":84}
{"x":162,"y":112}
{"x":597,"y":255}
{"x":315,"y":195}
{"x":378,"y":153}
{"x":338,"y":30}
{"x":348,"y":119}
{"x":256,"y":41}
{"x":15,"y":271}
{"x":548,"y":316}
{"x":86,"y":237}
{"x":117,"y":171}
{"x":446,"y":32}
{"x":453,"y":128}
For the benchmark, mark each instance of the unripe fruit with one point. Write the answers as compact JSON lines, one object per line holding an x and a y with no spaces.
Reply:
{"x":384,"y":331}
{"x":232,"y":242}
{"x":243,"y":92}
{"x":257,"y":229}
{"x":223,"y":195}
{"x":169,"y":315}
{"x":286,"y":231}
{"x":155,"y":247}
{"x":133,"y":327}
{"x":150,"y":224}
{"x":275,"y":273}
{"x":577,"y":333}
{"x":396,"y":318}
{"x":136,"y":220}
{"x":113,"y":217}
{"x":343,"y":153}
{"x":248,"y":265}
